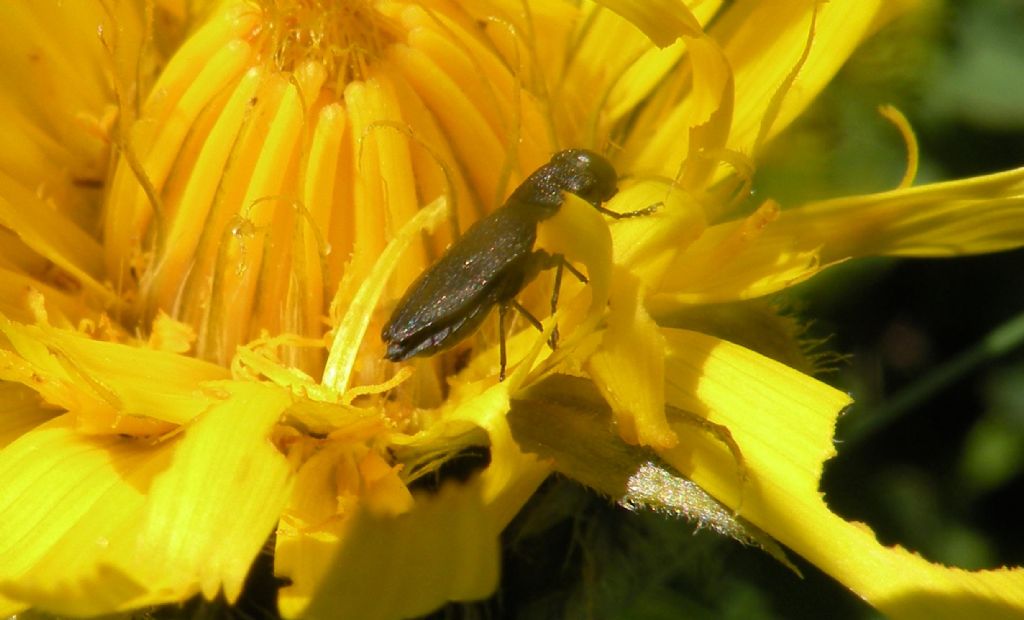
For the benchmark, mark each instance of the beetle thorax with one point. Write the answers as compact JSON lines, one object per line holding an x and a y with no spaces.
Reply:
{"x":577,"y":171}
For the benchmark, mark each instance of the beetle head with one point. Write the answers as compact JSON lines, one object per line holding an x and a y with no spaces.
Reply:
{"x":586,"y":174}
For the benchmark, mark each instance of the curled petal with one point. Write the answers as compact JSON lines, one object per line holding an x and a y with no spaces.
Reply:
{"x":663,"y":21}
{"x":783,"y":422}
{"x":772,"y":250}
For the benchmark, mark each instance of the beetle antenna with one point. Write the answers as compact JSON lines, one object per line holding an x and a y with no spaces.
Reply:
{"x":628,"y":214}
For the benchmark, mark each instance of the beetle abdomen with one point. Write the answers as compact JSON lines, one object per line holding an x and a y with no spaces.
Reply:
{"x":453,"y":296}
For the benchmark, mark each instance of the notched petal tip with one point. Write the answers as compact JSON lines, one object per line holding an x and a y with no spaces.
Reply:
{"x":663,"y":21}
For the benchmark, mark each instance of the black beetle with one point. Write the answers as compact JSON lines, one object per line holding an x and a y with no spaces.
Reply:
{"x":495,"y":259}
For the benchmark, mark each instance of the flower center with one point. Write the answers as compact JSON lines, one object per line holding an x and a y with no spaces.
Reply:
{"x":342,"y":35}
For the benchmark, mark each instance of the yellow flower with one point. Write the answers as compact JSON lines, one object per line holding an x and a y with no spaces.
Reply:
{"x":202,"y":238}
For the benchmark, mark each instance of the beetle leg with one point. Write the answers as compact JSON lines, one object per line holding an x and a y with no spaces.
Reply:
{"x":543,"y":260}
{"x":502,"y":310}
{"x":540,"y":260}
{"x":553,"y":340}
{"x":527,"y":315}
{"x":562,"y":264}
{"x":638,"y":213}
{"x":576,"y":272}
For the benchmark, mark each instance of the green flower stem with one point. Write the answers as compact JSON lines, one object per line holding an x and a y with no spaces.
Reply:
{"x":1000,"y":341}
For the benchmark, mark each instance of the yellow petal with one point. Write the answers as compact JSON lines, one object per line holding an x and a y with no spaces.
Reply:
{"x":312,"y":524}
{"x":352,"y":330}
{"x":783,"y":421}
{"x":99,"y":524}
{"x":580,"y":234}
{"x":955,"y":218}
{"x":10,"y":607}
{"x":55,"y":95}
{"x":210,"y":513}
{"x":629,"y":368}
{"x":177,"y":100}
{"x":902,"y":124}
{"x":186,"y":225}
{"x":648,"y":245}
{"x":63,"y":309}
{"x":103,"y":384}
{"x":319,"y":521}
{"x":636,"y":82}
{"x":758,"y":57}
{"x":70,"y":503}
{"x":512,"y":476}
{"x":766,"y":41}
{"x":340,"y":478}
{"x":53,"y":236}
{"x":170,"y":335}
{"x":512,"y":114}
{"x":680,"y":137}
{"x":770,"y":250}
{"x":462,"y":119}
{"x":23,"y":410}
{"x":445,"y":548}
{"x":735,"y":261}
{"x":710,"y":109}
{"x":663,"y":21}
